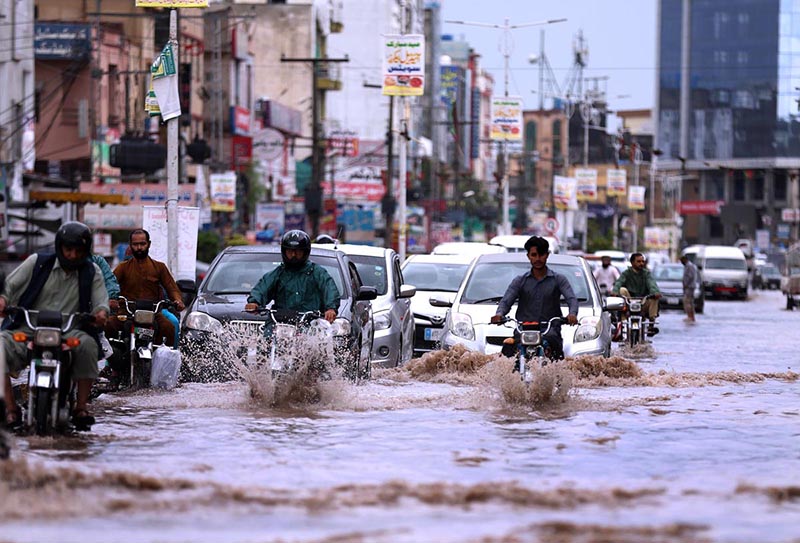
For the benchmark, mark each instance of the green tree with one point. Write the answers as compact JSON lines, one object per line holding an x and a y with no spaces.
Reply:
{"x":209,"y":244}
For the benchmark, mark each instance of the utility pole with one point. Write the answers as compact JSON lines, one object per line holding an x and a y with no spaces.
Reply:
{"x":388,"y":203}
{"x":506,"y":48}
{"x":172,"y":160}
{"x":314,"y":191}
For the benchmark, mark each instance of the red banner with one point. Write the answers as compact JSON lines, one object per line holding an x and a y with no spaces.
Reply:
{"x":700,"y":207}
{"x":355,"y":190}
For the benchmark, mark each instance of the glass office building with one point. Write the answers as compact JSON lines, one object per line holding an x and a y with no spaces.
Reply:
{"x":744,"y":74}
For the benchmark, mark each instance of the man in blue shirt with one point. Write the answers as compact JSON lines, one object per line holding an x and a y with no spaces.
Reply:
{"x":538,"y":295}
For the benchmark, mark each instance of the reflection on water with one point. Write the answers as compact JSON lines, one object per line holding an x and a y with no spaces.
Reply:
{"x":693,"y":444}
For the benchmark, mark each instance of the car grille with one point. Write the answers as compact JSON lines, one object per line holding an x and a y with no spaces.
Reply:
{"x":247,"y":327}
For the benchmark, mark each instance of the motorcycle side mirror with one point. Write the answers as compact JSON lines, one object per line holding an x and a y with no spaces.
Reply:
{"x":613,"y":303}
{"x":189,"y":290}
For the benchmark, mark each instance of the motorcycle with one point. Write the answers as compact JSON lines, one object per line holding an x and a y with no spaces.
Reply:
{"x":51,"y":390}
{"x":529,"y":342}
{"x":634,"y":320}
{"x":136,"y":341}
{"x":292,"y":338}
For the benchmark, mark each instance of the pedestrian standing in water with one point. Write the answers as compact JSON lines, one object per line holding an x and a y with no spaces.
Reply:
{"x":689,"y":284}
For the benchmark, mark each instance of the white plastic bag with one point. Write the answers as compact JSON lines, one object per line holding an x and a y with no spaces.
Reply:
{"x":166,"y":368}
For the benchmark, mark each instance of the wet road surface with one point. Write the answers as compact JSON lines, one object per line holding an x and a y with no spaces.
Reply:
{"x":695,"y":438}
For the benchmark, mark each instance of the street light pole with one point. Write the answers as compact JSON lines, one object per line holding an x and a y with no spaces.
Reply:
{"x":506,"y":48}
{"x":637,"y":160}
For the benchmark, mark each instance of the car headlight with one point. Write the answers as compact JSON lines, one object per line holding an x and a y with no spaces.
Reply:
{"x":341,"y":327}
{"x":588,"y":329}
{"x":383,"y":320}
{"x":461,"y":326}
{"x":197,"y":320}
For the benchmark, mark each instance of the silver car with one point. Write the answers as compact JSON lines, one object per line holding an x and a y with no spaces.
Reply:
{"x":488,"y":278}
{"x":394,"y":324}
{"x":432,"y":275}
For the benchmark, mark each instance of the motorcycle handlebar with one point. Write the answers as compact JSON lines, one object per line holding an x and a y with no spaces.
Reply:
{"x":518,"y":324}
{"x":77,"y":318}
{"x":157,"y":306}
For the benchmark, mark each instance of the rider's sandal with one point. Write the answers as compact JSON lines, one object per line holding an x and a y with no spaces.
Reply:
{"x":13,"y":418}
{"x":82,"y":420}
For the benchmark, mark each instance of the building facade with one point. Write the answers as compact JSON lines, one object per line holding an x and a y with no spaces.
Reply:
{"x":739,"y":144}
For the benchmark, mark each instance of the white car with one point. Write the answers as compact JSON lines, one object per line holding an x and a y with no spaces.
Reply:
{"x":379,"y":267}
{"x":432,"y":275}
{"x":488,"y":278}
{"x":473,"y":248}
{"x":516,"y":243}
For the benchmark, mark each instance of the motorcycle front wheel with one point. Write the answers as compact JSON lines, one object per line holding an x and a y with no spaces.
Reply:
{"x":41,"y":406}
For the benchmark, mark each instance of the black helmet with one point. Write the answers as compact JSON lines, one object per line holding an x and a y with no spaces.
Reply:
{"x":75,"y":235}
{"x":324,"y":238}
{"x":295,"y":239}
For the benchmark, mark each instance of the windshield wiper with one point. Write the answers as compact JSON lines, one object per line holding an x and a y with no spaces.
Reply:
{"x":487,"y":300}
{"x":217,"y":292}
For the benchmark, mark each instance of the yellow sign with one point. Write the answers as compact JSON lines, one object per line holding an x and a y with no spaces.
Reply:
{"x":171,"y":3}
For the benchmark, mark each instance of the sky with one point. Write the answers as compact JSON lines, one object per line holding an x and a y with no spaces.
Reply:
{"x":620,"y":34}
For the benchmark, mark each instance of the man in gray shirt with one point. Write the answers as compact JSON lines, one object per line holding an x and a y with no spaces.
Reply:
{"x":538,"y":295}
{"x":689,"y":283}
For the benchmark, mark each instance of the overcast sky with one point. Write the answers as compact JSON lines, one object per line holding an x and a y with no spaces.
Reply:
{"x":620,"y":35}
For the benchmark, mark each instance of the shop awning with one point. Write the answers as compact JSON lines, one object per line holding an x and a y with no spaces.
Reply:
{"x":60,"y":197}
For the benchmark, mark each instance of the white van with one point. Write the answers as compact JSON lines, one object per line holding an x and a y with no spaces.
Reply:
{"x":723,"y":270}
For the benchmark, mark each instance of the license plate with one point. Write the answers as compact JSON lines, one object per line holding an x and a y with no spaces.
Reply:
{"x":433,"y":334}
{"x":144,"y":332}
{"x":672,"y":301}
{"x":277,"y":364}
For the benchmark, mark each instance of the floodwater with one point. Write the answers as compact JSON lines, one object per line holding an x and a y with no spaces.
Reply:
{"x":694,"y":438}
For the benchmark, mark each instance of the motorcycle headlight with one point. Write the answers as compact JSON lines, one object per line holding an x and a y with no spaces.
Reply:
{"x":383,"y":320}
{"x":589,"y":329}
{"x":47,"y":338}
{"x":341,"y":327}
{"x":461,"y":326}
{"x":636,"y":307}
{"x":204,"y":322}
{"x":530,"y":337}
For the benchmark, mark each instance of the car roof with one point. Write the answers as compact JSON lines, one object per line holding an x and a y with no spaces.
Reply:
{"x":461,"y":247}
{"x":518,"y":240}
{"x":362,"y":250}
{"x":440,"y":259}
{"x":522,"y":257}
{"x":272,"y":249}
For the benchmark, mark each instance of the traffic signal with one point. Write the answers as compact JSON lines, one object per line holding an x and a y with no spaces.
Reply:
{"x":137,"y":155}
{"x":198,"y":150}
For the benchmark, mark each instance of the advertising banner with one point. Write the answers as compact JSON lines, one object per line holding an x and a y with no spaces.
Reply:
{"x":587,"y":184}
{"x":700,"y":207}
{"x":223,"y":191}
{"x":403,"y":65}
{"x":128,"y":217}
{"x":636,"y":198}
{"x":565,"y":192}
{"x":616,"y":182}
{"x":656,"y":238}
{"x":507,"y":118}
{"x":154,"y":220}
{"x":452,"y":78}
{"x":171,"y":3}
{"x":269,"y":216}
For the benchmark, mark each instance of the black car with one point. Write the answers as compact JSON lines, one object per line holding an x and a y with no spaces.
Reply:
{"x":767,"y":276}
{"x":222,"y":295}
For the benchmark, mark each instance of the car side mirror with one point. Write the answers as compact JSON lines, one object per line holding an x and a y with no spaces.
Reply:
{"x":188,"y":289}
{"x":441,"y":301}
{"x":366,"y":294}
{"x":407,"y":291}
{"x":613,"y":303}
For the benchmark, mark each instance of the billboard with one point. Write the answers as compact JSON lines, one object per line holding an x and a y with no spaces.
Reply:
{"x":403,"y":65}
{"x":507,"y":118}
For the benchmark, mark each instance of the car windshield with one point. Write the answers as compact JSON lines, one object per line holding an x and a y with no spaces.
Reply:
{"x":238,"y":273}
{"x":372,"y":270}
{"x":668,"y":273}
{"x":725,"y":264}
{"x":489,"y":280}
{"x":769,"y":270}
{"x":434,"y":276}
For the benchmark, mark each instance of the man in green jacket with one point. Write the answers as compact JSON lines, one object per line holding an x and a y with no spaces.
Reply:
{"x":296,"y":284}
{"x":636,"y":282}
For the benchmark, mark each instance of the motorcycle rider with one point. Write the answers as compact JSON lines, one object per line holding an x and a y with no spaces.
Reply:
{"x":606,"y":275}
{"x":637,"y":282}
{"x":296,"y":284}
{"x":538,"y":293}
{"x":66,"y":281}
{"x":142,"y":278}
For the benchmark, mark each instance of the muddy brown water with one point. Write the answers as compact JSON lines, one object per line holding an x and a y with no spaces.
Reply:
{"x":696,"y":438}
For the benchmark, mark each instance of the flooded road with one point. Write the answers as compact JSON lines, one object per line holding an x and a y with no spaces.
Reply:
{"x":695,"y":439}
